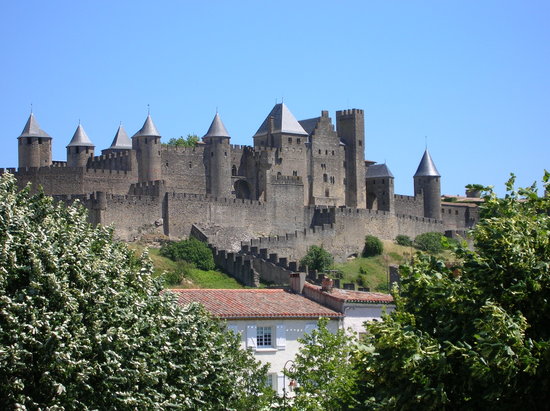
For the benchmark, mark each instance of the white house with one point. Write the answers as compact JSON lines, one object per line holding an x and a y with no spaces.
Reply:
{"x":270,"y":321}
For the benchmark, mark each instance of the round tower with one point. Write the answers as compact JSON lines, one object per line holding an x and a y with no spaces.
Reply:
{"x":35,"y":145}
{"x":427,"y":183}
{"x":80,"y":149}
{"x":146,"y":143}
{"x":218,"y":152}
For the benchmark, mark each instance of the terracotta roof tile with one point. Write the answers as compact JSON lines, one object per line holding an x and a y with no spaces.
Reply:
{"x":254,"y":303}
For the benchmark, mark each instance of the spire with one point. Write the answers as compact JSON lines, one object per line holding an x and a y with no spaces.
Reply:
{"x":32,"y":129}
{"x":426,"y":168}
{"x":217,"y":129}
{"x":80,"y":138}
{"x":121,"y":140}
{"x":148,"y":129}
{"x":283,"y":122}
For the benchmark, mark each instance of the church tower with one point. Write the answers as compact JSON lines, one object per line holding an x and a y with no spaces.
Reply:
{"x":146,"y":143}
{"x":427,"y":183}
{"x":218,"y":158}
{"x":35,"y":145}
{"x":80,"y":149}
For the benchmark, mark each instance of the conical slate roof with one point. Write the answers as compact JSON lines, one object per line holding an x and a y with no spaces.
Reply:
{"x":80,"y":138}
{"x":32,"y":129}
{"x":148,"y":129}
{"x":283,"y":122}
{"x":379,"y":171}
{"x":121,"y":140}
{"x":217,"y":129}
{"x":426,"y":168}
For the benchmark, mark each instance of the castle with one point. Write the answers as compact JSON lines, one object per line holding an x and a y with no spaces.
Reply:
{"x":301,"y":183}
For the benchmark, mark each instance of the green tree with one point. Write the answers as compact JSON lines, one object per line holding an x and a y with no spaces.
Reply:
{"x":323,"y":370}
{"x":373,"y":246}
{"x":404,"y":240}
{"x":318,"y":259}
{"x":192,"y":251}
{"x":475,"y":335}
{"x":430,"y":242}
{"x":83,"y":325}
{"x":190,"y":141}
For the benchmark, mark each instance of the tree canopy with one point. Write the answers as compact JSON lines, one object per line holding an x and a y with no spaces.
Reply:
{"x":83,"y":325}
{"x":475,"y":334}
{"x":317,"y":258}
{"x":190,"y":141}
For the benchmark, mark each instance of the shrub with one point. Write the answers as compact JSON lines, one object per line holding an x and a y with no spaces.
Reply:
{"x":176,"y":276}
{"x":404,"y":240}
{"x":373,"y":246}
{"x":317,"y":258}
{"x":429,"y":242}
{"x":192,"y":251}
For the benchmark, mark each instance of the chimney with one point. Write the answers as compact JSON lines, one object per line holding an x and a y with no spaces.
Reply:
{"x":297,"y":281}
{"x":326,"y":284}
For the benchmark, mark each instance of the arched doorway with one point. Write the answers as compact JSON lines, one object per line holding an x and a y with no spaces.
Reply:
{"x":242,"y":190}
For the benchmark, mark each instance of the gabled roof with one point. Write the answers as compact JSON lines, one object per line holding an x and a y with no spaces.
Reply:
{"x":217,"y":128}
{"x":254,"y":303}
{"x":121,"y":140}
{"x":80,"y":138}
{"x":378,"y":171}
{"x":349,"y":296}
{"x":32,"y":129}
{"x":148,"y":129}
{"x":426,"y":168}
{"x":309,"y":124}
{"x":283,"y":122}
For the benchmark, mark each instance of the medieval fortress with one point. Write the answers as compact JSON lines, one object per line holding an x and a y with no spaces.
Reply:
{"x":301,"y":183}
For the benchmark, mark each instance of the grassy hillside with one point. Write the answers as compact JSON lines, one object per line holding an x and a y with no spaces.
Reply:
{"x":194,"y":277}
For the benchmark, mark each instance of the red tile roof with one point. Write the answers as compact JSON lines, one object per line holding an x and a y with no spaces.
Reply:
{"x":350,"y":296}
{"x":254,"y":303}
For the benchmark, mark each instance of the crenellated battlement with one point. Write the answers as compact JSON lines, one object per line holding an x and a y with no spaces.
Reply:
{"x":218,"y":200}
{"x":148,"y":188}
{"x":349,"y":112}
{"x":280,"y":179}
{"x":199,"y":149}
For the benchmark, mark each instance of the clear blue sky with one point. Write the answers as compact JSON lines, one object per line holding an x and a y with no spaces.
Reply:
{"x":472,"y":76}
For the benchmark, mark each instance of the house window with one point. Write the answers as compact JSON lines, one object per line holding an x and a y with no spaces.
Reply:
{"x":360,"y":143}
{"x":325,"y":178}
{"x":290,"y":140}
{"x":264,"y":337}
{"x":327,"y":193}
{"x":298,"y":141}
{"x":295,"y":173}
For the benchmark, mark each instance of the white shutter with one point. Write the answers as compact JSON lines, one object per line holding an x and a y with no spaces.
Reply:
{"x":251,"y":336}
{"x":281,"y":336}
{"x":309,"y":328}
{"x":280,"y":383}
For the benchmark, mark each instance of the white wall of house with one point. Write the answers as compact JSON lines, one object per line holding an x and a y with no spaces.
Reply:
{"x":356,"y":314}
{"x":284,"y":341}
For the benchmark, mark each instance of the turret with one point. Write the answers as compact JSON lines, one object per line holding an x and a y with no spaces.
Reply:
{"x":80,"y":149}
{"x":350,"y":125}
{"x":35,"y":145}
{"x":146,"y":143}
{"x":427,"y":183}
{"x":380,"y":191}
{"x":218,"y":158}
{"x":121,"y":142}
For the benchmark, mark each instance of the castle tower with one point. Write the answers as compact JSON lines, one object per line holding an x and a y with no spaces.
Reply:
{"x":80,"y":149}
{"x":146,"y":143}
{"x":279,"y":128}
{"x":121,"y":142}
{"x":427,"y":183}
{"x":218,"y":153}
{"x":350,"y":125}
{"x":379,"y":185}
{"x":35,"y":145}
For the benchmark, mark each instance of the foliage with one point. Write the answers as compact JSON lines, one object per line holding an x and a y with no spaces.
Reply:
{"x":404,"y":240}
{"x":83,"y":325}
{"x":176,"y":277}
{"x":323,"y":370}
{"x":373,"y":246}
{"x":475,"y":187}
{"x":192,"y":251}
{"x":475,"y":335}
{"x":318,"y":259}
{"x":191,"y":141}
{"x":429,"y":242}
